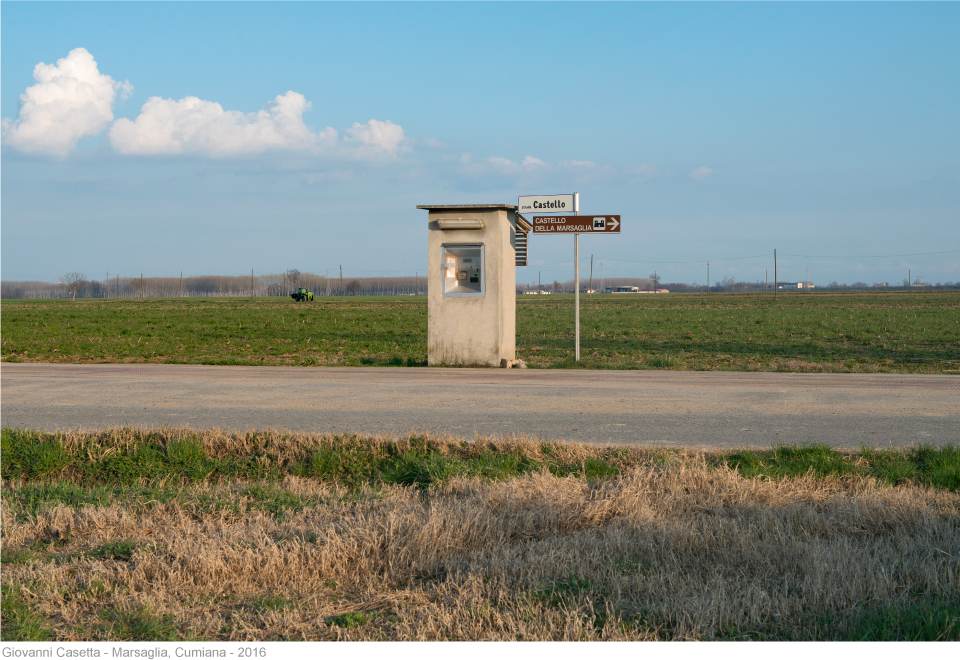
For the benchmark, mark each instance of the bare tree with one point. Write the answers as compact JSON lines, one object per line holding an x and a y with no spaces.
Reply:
{"x":656,"y":280}
{"x":293,"y":278}
{"x":74,"y":283}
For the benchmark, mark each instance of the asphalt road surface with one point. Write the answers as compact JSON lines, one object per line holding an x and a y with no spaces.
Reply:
{"x":690,"y":409}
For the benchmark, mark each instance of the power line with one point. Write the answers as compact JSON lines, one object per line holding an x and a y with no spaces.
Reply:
{"x":868,"y":256}
{"x":703,"y":261}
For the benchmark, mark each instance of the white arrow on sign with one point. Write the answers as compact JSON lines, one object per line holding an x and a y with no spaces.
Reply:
{"x":614,"y":224}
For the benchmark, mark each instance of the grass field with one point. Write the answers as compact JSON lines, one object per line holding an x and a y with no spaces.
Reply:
{"x":182,"y":534}
{"x":873,"y":332}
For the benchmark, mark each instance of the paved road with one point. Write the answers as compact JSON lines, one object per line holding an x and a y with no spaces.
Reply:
{"x":692,"y":409}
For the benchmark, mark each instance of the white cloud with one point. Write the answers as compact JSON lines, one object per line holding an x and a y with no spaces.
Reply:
{"x":71,"y":100}
{"x":380,"y":135}
{"x":642,"y":172}
{"x":502,"y":165}
{"x":577,"y":164}
{"x":192,"y":125}
{"x":701,"y":173}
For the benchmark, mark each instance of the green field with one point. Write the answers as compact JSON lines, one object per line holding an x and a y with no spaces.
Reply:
{"x":870,"y":332}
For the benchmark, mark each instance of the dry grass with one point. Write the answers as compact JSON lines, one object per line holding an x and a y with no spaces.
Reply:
{"x":672,"y":549}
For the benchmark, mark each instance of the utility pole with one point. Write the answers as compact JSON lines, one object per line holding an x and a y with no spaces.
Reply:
{"x":141,"y":286}
{"x":602,"y":287}
{"x":774,"y":272}
{"x":591,"y":277}
{"x":180,"y":295}
{"x":118,"y":285}
{"x":341,"y":281}
{"x":108,"y":284}
{"x":708,"y":277}
{"x":251,"y":283}
{"x":539,"y":285}
{"x":909,"y":281}
{"x":576,"y":279}
{"x":766,"y":286}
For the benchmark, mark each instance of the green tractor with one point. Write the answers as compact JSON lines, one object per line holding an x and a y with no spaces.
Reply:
{"x":302,"y":294}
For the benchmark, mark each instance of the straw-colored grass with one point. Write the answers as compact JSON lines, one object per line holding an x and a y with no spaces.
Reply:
{"x":681,"y":547}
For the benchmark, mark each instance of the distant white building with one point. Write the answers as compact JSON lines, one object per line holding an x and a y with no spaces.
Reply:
{"x":795,"y":285}
{"x":634,"y":289}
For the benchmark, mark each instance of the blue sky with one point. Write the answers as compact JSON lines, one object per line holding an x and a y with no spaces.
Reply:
{"x":212,"y":138}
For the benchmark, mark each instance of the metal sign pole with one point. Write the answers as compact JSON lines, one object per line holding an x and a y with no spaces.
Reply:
{"x":554,"y":225}
{"x":576,"y":277}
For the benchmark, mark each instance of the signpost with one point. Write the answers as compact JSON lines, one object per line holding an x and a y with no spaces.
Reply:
{"x":565,"y":224}
{"x":577,"y":224}
{"x":545,"y":204}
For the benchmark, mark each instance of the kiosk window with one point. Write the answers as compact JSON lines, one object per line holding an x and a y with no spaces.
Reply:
{"x":462,"y":270}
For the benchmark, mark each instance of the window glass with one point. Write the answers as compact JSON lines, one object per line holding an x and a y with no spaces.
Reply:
{"x":462,"y":270}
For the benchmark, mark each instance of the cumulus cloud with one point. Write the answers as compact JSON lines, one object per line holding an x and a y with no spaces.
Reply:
{"x":70,"y":101}
{"x":501,"y":165}
{"x":192,"y":125}
{"x":701,"y":173}
{"x":384,"y":136}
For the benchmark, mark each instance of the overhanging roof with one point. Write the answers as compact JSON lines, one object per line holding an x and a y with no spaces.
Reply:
{"x":472,"y":207}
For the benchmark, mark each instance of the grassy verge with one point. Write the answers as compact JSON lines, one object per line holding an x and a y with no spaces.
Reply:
{"x":130,"y":457}
{"x":252,"y":536}
{"x":876,"y":332}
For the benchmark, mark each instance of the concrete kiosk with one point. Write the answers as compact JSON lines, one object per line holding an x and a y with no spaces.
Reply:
{"x":471,"y":283}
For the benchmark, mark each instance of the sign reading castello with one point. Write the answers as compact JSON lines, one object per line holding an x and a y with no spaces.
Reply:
{"x":539,"y":203}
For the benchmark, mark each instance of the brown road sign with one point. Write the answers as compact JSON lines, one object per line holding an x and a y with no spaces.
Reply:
{"x":576,"y":224}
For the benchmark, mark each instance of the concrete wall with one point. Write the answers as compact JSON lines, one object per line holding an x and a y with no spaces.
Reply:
{"x":473,"y":330}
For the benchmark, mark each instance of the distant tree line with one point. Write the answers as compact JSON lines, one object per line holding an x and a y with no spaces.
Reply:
{"x":76,"y":285}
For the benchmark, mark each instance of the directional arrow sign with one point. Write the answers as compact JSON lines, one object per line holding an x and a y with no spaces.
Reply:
{"x":576,"y":224}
